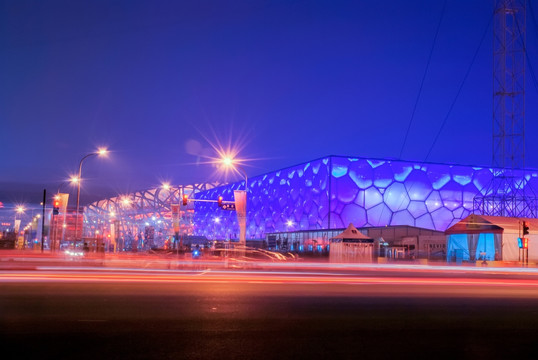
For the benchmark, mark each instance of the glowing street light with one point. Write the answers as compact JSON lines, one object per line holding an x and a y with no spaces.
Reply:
{"x":240,"y":197}
{"x":126,"y":201}
{"x":230,"y":163}
{"x":100,"y":152}
{"x":19,"y":210}
{"x":227,"y":161}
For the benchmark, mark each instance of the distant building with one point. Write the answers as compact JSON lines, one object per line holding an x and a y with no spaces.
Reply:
{"x":393,"y":242}
{"x":332,"y":192}
{"x":319,"y":197}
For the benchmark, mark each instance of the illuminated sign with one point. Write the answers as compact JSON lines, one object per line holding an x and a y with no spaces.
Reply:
{"x":228,"y":206}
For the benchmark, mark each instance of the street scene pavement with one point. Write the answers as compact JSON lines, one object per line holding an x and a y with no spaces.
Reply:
{"x":267,"y":311}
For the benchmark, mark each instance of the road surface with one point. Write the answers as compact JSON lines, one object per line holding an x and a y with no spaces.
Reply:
{"x":81,"y":312}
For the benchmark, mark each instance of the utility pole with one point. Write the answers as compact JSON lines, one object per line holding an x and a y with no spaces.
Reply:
{"x":43,"y":219}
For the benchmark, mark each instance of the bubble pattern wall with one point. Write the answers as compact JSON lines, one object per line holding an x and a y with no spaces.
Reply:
{"x":299,"y":193}
{"x":334,"y":191}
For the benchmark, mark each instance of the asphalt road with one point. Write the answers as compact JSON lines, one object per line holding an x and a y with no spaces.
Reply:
{"x":145,"y":314}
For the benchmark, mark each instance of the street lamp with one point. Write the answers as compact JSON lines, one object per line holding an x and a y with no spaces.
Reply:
{"x":240,"y":198}
{"x":99,"y":152}
{"x":231,"y":163}
{"x":176,"y":214}
{"x":125,"y":201}
{"x":64,"y":198}
{"x":20,"y":209}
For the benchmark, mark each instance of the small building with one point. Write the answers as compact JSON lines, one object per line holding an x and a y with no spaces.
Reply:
{"x":351,"y":246}
{"x":407,"y":242}
{"x":396,"y":242}
{"x":490,"y":238}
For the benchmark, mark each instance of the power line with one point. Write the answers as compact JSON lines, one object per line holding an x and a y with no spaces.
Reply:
{"x":423,"y":79}
{"x":459,"y":89}
{"x":455,"y":99}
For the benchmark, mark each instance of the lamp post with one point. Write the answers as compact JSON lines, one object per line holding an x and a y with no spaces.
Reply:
{"x":124,"y":211}
{"x":240,"y":198}
{"x":18,"y":210}
{"x":175,"y":210}
{"x":179,"y":218}
{"x":100,"y":152}
{"x":64,"y":198}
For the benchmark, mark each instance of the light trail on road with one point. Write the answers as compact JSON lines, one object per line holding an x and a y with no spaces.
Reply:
{"x":264,"y":277}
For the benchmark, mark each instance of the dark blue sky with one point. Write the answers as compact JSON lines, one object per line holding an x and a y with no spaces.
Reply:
{"x":297,"y":79}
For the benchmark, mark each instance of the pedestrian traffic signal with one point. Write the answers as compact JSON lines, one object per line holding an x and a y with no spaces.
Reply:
{"x":525,"y":228}
{"x":55,"y":206}
{"x":219,"y":201}
{"x":523,"y":243}
{"x":185,"y":199}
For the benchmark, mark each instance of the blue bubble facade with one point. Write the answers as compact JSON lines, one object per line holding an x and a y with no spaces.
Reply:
{"x":331,"y":192}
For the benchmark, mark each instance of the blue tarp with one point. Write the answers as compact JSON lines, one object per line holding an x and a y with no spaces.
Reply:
{"x":485,"y":249}
{"x":466,"y":247}
{"x":457,"y":248}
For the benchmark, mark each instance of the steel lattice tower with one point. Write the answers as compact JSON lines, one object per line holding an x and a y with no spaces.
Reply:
{"x":506,"y":195}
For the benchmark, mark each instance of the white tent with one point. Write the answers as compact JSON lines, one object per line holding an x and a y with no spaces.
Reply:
{"x":351,"y":246}
{"x":351,"y":233}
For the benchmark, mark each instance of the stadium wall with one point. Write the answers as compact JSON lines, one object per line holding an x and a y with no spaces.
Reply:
{"x":334,"y":191}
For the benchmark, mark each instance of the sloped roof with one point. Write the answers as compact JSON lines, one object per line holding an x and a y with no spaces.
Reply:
{"x":351,"y":233}
{"x":496,"y":224}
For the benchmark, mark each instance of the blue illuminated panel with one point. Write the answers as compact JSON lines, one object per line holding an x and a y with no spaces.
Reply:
{"x":299,"y":193}
{"x":335,"y":191}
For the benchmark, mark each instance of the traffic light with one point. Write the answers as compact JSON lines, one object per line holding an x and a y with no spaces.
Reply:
{"x":525,"y":228}
{"x":219,"y":201}
{"x":55,"y":206}
{"x":185,"y":199}
{"x":523,"y":243}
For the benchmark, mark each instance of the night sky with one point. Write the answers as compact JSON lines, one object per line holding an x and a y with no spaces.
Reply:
{"x":158,"y":81}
